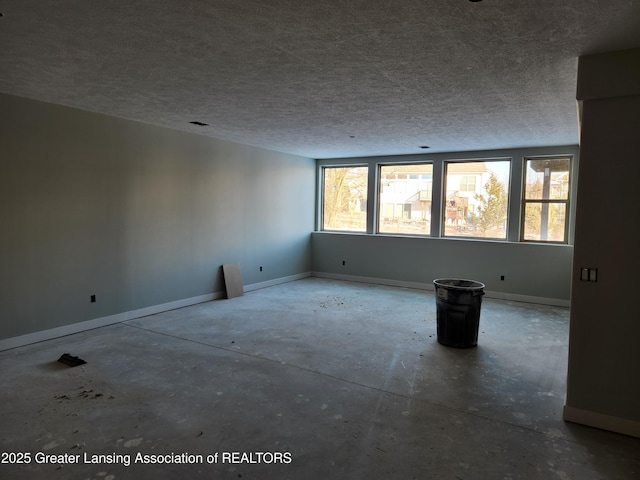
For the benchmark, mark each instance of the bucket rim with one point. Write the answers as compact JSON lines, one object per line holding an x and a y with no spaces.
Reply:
{"x":475,"y":285}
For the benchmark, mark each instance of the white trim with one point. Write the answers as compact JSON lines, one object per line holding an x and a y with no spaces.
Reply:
{"x":14,"y":342}
{"x":600,"y":420}
{"x":165,"y":307}
{"x":376,"y":281}
{"x":516,"y":297}
{"x":276,"y":281}
{"x":556,"y":302}
{"x":64,"y":330}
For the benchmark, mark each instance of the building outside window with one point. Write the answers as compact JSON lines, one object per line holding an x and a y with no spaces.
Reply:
{"x":545,"y":200}
{"x":476,"y":199}
{"x":468,"y":183}
{"x":344,"y":200}
{"x":405,"y":199}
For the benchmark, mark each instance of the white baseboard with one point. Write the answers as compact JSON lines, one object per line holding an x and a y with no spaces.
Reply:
{"x":375,"y":281}
{"x":515,"y":297}
{"x":602,"y":421}
{"x":276,"y":281}
{"x":64,"y":330}
{"x":556,"y":302}
{"x":43,"y":335}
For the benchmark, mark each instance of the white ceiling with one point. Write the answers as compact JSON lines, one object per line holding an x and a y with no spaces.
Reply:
{"x":319,"y":78}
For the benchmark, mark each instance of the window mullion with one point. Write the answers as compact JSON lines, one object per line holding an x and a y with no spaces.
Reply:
{"x":372,"y":198}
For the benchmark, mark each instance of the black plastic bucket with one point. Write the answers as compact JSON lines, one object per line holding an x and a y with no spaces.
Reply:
{"x":458,"y":304}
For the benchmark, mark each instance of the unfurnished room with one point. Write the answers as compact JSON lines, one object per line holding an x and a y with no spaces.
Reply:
{"x":267,"y":239}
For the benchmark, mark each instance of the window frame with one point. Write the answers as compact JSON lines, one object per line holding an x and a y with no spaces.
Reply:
{"x":567,"y":202}
{"x":516,"y":159}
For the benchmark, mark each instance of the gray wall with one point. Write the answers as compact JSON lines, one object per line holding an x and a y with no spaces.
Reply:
{"x":136,"y":214}
{"x":604,"y":357}
{"x":537,"y":273}
{"x":532,"y":272}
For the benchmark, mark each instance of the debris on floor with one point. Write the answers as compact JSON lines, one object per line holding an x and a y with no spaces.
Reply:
{"x":70,"y":360}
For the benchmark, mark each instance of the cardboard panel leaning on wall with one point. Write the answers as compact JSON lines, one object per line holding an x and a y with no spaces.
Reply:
{"x":135,"y":214}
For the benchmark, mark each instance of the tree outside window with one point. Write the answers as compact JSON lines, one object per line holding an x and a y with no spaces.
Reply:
{"x":491,"y":211}
{"x":474,"y":204}
{"x":476,"y":200}
{"x":345,"y":198}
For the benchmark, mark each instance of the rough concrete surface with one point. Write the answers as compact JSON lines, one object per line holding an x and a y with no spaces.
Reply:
{"x":310,"y":379}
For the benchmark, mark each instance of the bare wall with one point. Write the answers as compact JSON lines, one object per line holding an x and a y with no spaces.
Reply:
{"x":539,"y":273}
{"x":135,"y":214}
{"x":603,"y":389}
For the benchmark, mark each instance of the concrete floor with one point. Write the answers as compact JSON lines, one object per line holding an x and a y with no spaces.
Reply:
{"x":347,"y":378}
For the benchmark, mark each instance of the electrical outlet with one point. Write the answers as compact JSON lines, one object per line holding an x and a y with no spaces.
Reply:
{"x":501,"y":277}
{"x":260,"y":268}
{"x":344,"y":262}
{"x":93,"y":299}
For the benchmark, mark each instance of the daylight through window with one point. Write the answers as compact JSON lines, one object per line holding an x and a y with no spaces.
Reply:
{"x":405,"y":199}
{"x":472,"y":198}
{"x":546,"y":199}
{"x":476,"y":199}
{"x":344,"y":206}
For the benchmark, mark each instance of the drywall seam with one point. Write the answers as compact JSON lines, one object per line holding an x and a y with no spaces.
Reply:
{"x":555,"y":302}
{"x":602,"y":421}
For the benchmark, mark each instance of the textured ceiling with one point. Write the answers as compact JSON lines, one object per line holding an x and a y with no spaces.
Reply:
{"x":319,"y":78}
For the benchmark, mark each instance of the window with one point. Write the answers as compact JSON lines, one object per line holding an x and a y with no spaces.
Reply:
{"x":545,"y":203}
{"x":468,"y":183}
{"x":476,"y":199}
{"x":405,"y":199}
{"x":344,"y":201}
{"x":450,"y":197}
